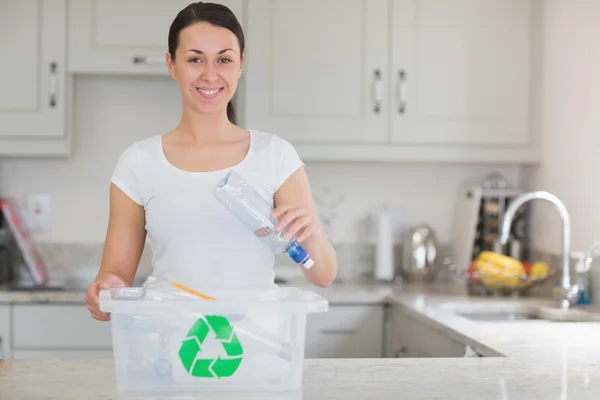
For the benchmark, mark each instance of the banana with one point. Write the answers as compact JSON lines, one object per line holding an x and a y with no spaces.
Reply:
{"x":498,"y":270}
{"x":500,"y":259}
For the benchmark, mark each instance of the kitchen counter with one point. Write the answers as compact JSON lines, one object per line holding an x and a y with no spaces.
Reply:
{"x":440,"y":379}
{"x":533,"y":359}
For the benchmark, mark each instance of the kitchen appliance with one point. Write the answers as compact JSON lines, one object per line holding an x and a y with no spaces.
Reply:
{"x":7,"y":273}
{"x":478,"y":220}
{"x":419,"y":254}
{"x":14,"y":224}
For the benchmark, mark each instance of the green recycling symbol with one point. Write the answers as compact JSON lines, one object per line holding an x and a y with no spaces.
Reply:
{"x":211,"y":368}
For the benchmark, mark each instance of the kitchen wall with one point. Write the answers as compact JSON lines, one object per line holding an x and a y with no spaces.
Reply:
{"x":111,"y":112}
{"x":570,"y":123}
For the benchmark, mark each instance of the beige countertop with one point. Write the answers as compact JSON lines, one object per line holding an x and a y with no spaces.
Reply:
{"x":416,"y":379}
{"x":534,"y":359}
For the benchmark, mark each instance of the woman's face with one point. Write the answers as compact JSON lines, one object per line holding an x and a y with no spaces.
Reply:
{"x":207,"y":66}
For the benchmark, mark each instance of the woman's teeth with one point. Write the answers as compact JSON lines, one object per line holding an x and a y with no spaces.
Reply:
{"x":209,"y":92}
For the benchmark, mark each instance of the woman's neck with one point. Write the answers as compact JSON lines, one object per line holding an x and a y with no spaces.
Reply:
{"x":199,"y":128}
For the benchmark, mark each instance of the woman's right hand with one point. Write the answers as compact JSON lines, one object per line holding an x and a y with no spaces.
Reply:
{"x":91,"y":298}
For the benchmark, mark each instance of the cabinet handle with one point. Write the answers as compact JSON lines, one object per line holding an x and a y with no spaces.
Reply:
{"x":52,"y":85}
{"x":377,"y":91}
{"x":1,"y":350}
{"x":401,"y":91}
{"x":152,"y":60}
{"x":339,"y":331}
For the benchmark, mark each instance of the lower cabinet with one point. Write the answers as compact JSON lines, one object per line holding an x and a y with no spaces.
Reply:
{"x":346,"y":331}
{"x":412,"y":338}
{"x":5,"y":332}
{"x":58,"y":331}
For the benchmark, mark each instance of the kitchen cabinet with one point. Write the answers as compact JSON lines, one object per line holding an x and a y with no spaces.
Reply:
{"x":47,"y":330}
{"x":5,"y":332}
{"x":346,"y":331}
{"x":412,"y":338}
{"x":34,"y":96}
{"x":321,"y":82}
{"x":125,"y":36}
{"x":462,"y":72}
{"x":395,"y":80}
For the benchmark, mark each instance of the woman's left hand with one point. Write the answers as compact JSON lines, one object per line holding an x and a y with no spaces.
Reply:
{"x":299,"y":221}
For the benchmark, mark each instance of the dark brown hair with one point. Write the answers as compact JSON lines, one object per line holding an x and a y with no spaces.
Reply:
{"x":214,"y":14}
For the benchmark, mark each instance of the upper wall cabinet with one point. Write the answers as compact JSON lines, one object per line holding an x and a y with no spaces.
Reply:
{"x":461,"y":72}
{"x":33,"y":79}
{"x":407,"y":80}
{"x":124,"y":36}
{"x":318,"y":77}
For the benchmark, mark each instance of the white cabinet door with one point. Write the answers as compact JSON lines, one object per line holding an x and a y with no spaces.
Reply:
{"x":125,"y":36}
{"x":462,"y":72}
{"x":412,"y":338}
{"x":345,"y":332}
{"x":58,"y":327}
{"x":5,"y":337}
{"x":317,"y":70}
{"x":32,"y":73}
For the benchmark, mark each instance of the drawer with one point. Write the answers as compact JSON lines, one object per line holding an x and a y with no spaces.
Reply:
{"x":58,"y":326}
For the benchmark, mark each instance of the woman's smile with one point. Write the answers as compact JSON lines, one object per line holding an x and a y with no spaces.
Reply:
{"x":209,"y":93}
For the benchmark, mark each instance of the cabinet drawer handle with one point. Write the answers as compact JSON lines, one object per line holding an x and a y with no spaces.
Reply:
{"x":401,"y":91}
{"x":152,"y":60}
{"x":52,"y":85}
{"x":339,"y":331}
{"x":377,"y":91}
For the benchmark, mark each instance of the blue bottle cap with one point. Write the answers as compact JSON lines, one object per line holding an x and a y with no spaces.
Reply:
{"x":299,"y":255}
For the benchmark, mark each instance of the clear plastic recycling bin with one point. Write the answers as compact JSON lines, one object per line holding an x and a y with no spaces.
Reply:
{"x":169,"y":342}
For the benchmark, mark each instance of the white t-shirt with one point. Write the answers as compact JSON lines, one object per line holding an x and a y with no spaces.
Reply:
{"x":194,"y":239}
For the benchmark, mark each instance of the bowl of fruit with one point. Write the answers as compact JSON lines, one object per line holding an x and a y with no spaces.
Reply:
{"x":493,"y":273}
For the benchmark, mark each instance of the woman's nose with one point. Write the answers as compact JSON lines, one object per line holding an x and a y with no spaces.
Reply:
{"x":209,"y":74}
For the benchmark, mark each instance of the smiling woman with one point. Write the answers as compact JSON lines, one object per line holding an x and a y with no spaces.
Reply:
{"x":162,"y":186}
{"x":220,"y":60}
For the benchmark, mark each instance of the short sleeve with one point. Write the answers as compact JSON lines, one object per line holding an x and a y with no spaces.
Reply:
{"x":126,"y":174}
{"x":287,"y":161}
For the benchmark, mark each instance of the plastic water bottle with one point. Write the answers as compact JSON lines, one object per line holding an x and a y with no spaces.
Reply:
{"x":255,"y":212}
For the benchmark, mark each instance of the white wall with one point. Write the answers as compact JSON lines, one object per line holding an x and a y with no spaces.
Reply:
{"x":570,"y":123}
{"x":111,"y":112}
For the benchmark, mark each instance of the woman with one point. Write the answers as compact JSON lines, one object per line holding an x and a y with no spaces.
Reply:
{"x":162,"y":186}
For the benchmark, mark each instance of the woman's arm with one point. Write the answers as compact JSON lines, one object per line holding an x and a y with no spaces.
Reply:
{"x":125,"y":238}
{"x":294,"y":202}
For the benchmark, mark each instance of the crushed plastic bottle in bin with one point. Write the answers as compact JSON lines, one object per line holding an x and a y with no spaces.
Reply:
{"x":255,"y":212}
{"x":245,"y":326}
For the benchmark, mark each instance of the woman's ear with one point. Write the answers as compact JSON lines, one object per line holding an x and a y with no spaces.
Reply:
{"x":170,"y":65}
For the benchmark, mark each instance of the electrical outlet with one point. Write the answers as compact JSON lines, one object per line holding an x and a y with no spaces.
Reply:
{"x":39,"y":212}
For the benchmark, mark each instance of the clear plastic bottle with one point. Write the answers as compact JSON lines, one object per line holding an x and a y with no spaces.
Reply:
{"x":255,"y":212}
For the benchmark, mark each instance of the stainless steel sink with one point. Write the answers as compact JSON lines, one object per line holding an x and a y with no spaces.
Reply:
{"x":500,"y":316}
{"x":507,"y":312}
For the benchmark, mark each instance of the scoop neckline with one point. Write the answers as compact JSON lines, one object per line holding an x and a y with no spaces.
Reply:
{"x":170,"y":165}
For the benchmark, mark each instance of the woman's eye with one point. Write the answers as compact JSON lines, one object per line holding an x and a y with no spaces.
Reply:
{"x":225,"y":60}
{"x":194,"y":60}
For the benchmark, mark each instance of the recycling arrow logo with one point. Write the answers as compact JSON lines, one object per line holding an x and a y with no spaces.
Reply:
{"x":191,"y":349}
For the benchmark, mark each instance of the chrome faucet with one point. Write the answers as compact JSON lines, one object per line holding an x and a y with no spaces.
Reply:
{"x":566,"y":293}
{"x":590,"y":253}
